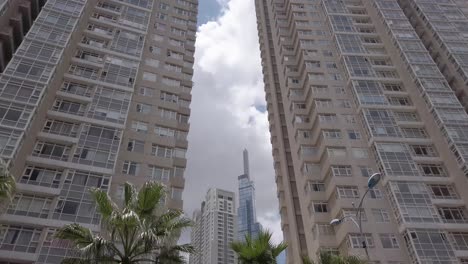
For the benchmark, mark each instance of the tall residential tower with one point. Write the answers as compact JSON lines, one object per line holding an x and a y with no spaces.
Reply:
{"x":246,"y":213}
{"x":351,"y":90}
{"x":214,"y":229}
{"x":97,"y":94}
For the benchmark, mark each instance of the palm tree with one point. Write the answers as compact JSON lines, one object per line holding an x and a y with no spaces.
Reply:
{"x":259,"y":250}
{"x":328,"y":258}
{"x":7,"y":181}
{"x":142,"y":231}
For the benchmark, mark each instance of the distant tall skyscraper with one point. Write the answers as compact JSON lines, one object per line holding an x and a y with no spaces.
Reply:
{"x":214,"y":229}
{"x":248,"y":224}
{"x":355,"y":87}
{"x":96,"y":93}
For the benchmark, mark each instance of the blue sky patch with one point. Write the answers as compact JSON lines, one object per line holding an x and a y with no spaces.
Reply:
{"x":208,"y":10}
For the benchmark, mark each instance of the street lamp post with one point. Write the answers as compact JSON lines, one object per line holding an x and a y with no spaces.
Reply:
{"x":371,"y":183}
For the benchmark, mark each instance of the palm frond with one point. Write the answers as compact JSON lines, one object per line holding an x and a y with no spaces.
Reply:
{"x":7,"y":181}
{"x":7,"y":186}
{"x":104,"y":203}
{"x":148,"y":198}
{"x":306,"y":260}
{"x":129,"y":195}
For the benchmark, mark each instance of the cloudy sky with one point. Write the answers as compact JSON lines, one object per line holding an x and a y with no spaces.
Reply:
{"x":228,"y":109}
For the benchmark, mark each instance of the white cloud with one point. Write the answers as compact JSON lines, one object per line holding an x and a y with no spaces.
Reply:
{"x":225,"y":120}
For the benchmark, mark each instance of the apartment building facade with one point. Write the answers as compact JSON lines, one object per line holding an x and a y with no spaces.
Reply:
{"x":214,"y":229}
{"x":97,"y":94}
{"x":442,"y":26}
{"x":351,"y":90}
{"x":16,"y":18}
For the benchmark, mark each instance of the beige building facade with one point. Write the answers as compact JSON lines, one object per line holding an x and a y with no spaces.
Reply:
{"x":97,"y":94}
{"x":215,"y":228}
{"x":352,"y":90}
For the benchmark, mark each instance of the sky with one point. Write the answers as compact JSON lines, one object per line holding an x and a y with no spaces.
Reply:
{"x":228,"y":110}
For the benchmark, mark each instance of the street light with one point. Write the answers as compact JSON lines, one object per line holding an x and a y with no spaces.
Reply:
{"x":371,"y":183}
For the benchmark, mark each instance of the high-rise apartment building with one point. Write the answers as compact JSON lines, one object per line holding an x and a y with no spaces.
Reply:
{"x":443,"y":28}
{"x":247,"y":218}
{"x":97,"y":94}
{"x":16,"y":18}
{"x":352,"y":90}
{"x":214,"y":229}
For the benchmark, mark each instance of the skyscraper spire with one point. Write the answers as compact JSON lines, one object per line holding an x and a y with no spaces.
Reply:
{"x":246,"y":163}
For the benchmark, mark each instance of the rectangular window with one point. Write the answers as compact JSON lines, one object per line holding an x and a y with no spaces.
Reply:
{"x":161,"y":151}
{"x":143,"y":108}
{"x":314,"y":186}
{"x":356,"y":240}
{"x":423,"y":150}
{"x":455,"y":215}
{"x":147,"y":76}
{"x":332,"y":134}
{"x":341,"y":170}
{"x":354,"y":134}
{"x":346,"y":192}
{"x":375,"y":193}
{"x":136,"y":145}
{"x":432,"y":170}
{"x":381,"y":215}
{"x":360,"y":153}
{"x":411,"y":132}
{"x":145,"y":91}
{"x":320,"y":207}
{"x":159,"y":173}
{"x":152,"y":63}
{"x":140,"y":126}
{"x":365,"y":171}
{"x":131,"y":168}
{"x":336,"y":152}
{"x":389,"y":241}
{"x":443,"y":191}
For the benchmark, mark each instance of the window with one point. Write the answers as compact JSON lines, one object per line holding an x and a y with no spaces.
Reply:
{"x":432,"y":170}
{"x":159,"y":173}
{"x":145,"y":91}
{"x":169,"y":97}
{"x":342,"y":170}
{"x":354,"y":134}
{"x":147,"y":76}
{"x":351,"y":212}
{"x":320,"y":207}
{"x":443,"y":191}
{"x":365,"y":171}
{"x":152,"y":63}
{"x":336,"y":152}
{"x":357,"y":241}
{"x":176,"y":193}
{"x":375,"y":193}
{"x":423,"y":151}
{"x":345,"y":192}
{"x":389,"y":241}
{"x":140,"y":126}
{"x":161,"y":151}
{"x":131,"y":168}
{"x":350,"y":119}
{"x":143,"y":108}
{"x":360,"y":153}
{"x":411,"y":132}
{"x":332,"y":134}
{"x":459,"y":240}
{"x":381,"y":215}
{"x":453,"y":214}
{"x":136,"y":145}
{"x":315,"y":186}
{"x":327,"y":118}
